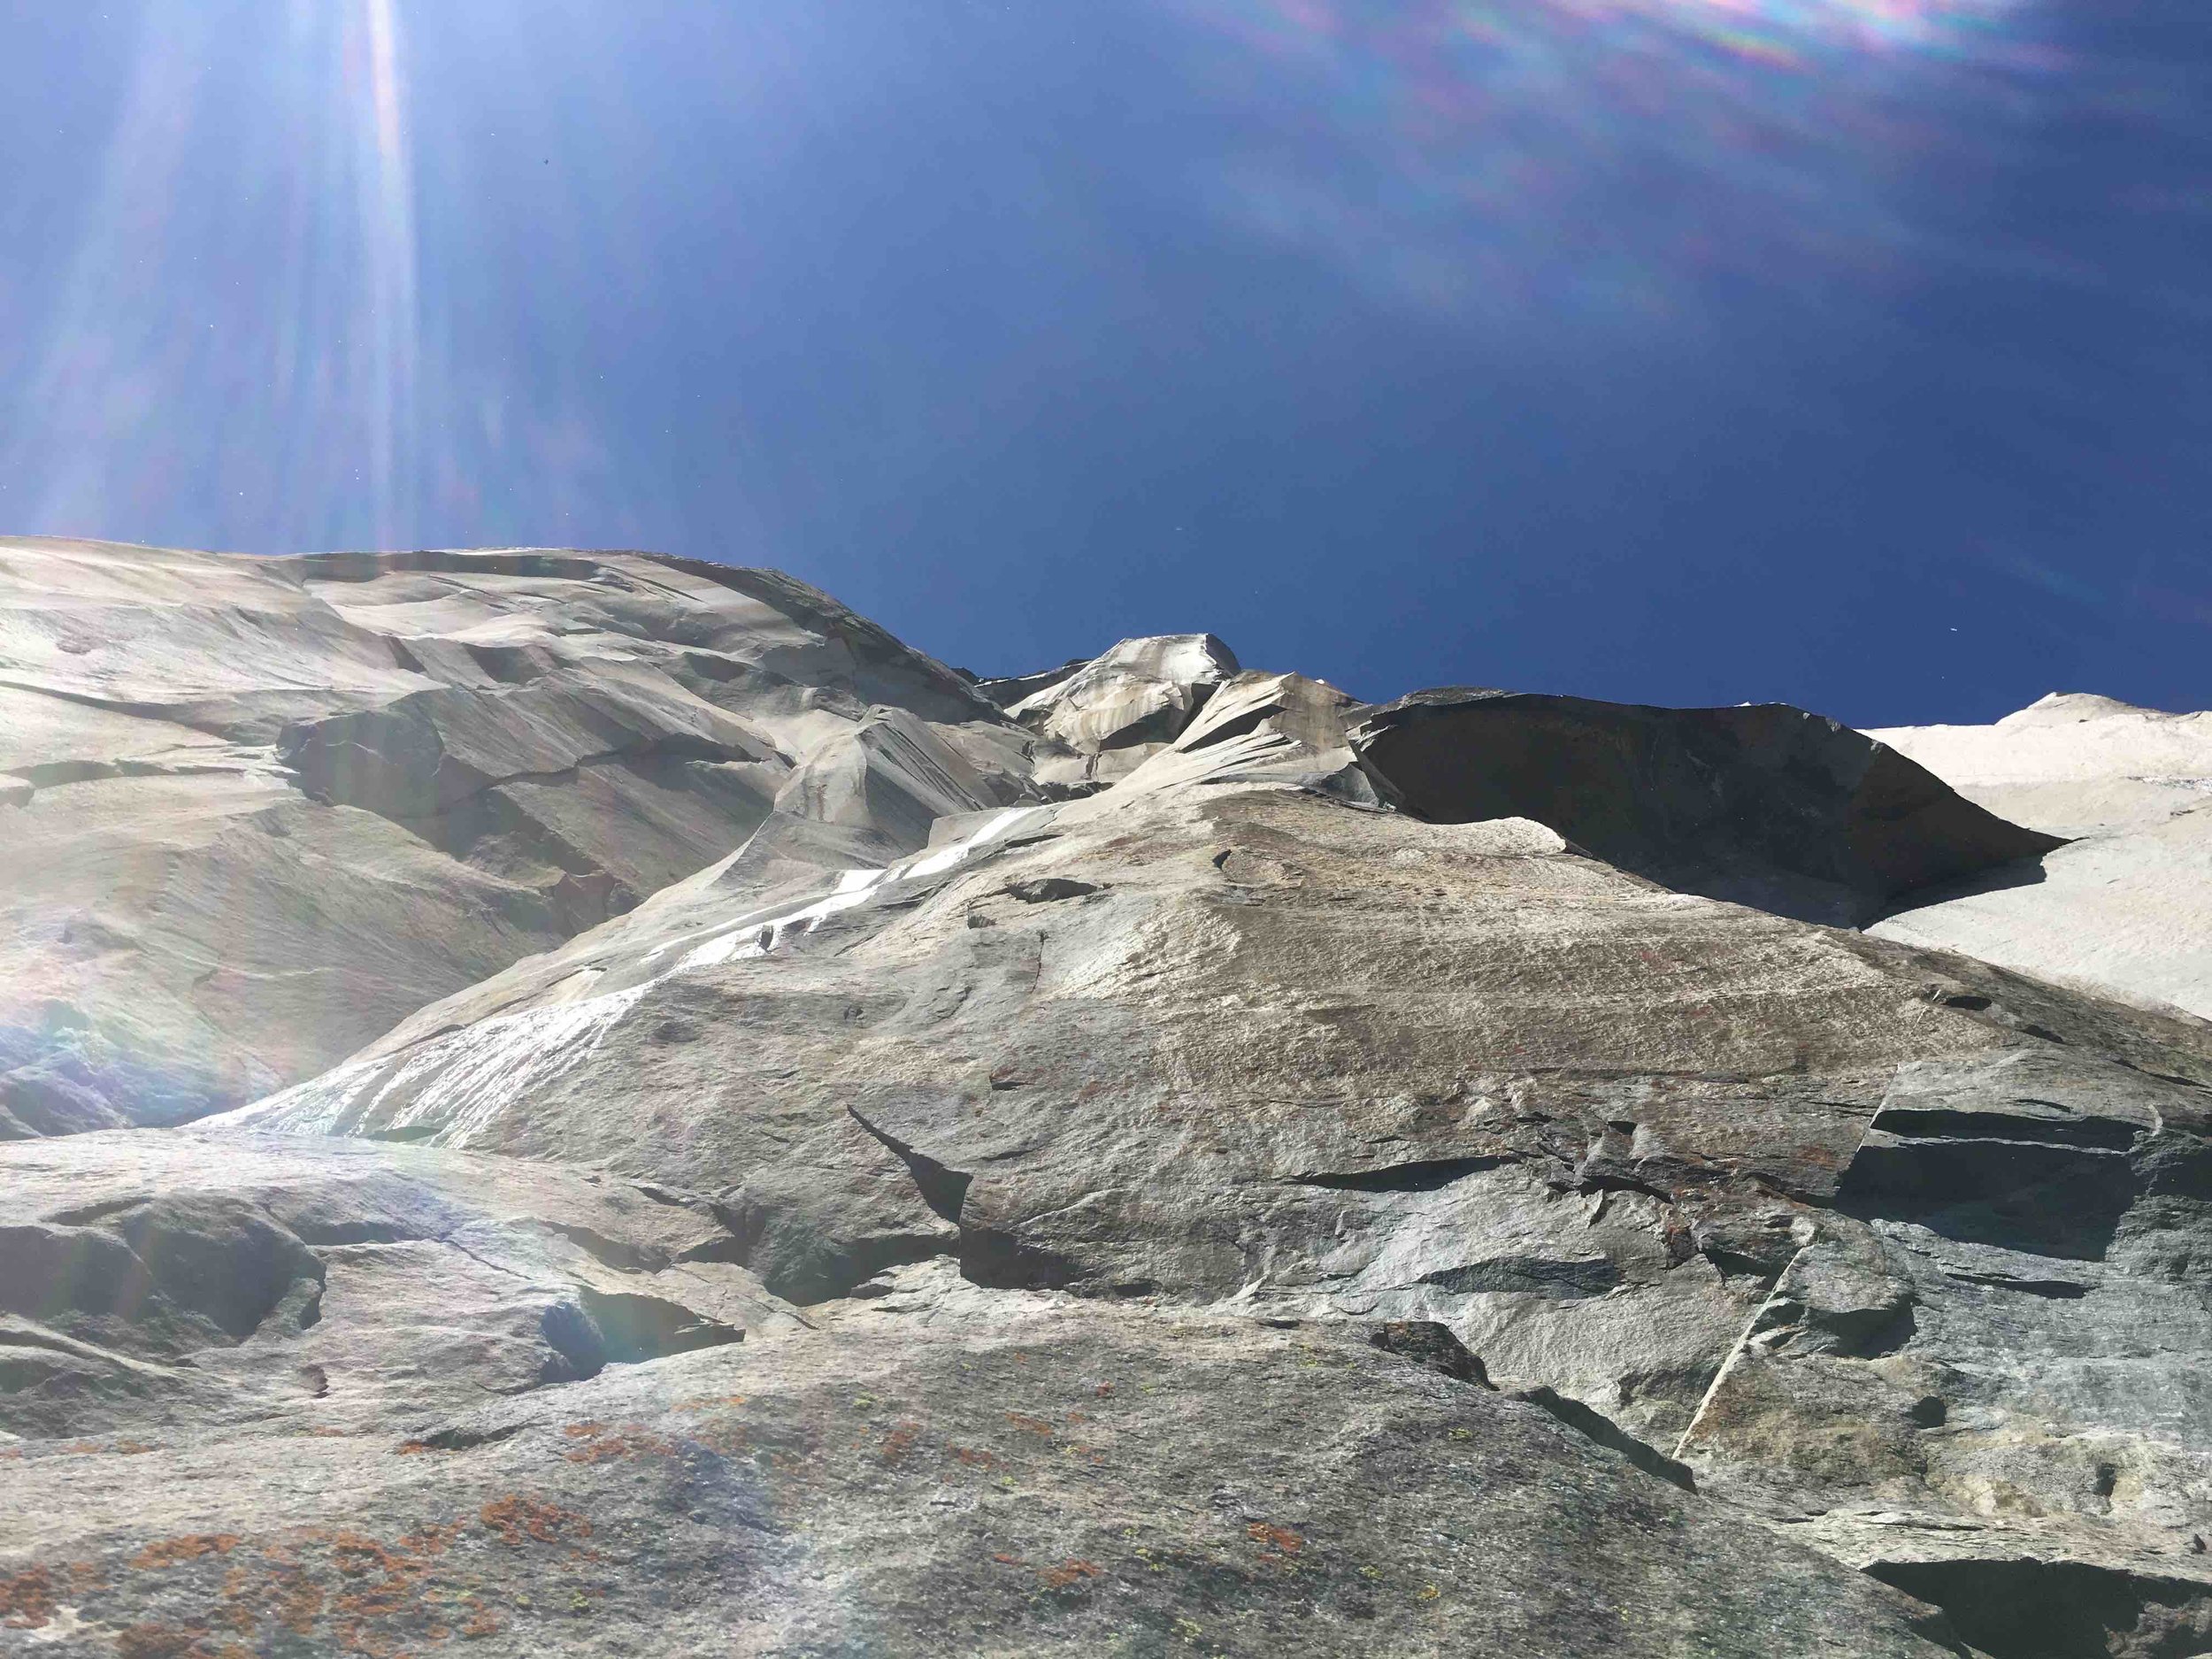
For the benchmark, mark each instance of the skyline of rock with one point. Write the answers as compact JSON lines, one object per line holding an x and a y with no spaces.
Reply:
{"x":1151,"y":1152}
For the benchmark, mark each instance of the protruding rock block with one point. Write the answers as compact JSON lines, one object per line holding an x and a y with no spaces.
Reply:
{"x":1763,"y":805}
{"x":1126,"y":703}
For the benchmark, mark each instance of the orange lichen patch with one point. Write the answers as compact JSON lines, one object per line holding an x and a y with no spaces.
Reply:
{"x":131,"y":1448}
{"x":235,"y":1612}
{"x":378,"y":1601}
{"x":1103,"y":1390}
{"x":170,"y":1642}
{"x":899,"y":1441}
{"x":354,"y":1555}
{"x":1068,"y":1573}
{"x":168,"y":1552}
{"x":514,"y":1518}
{"x":274,"y":1587}
{"x":600,"y":1444}
{"x":729,"y":1437}
{"x":430,"y":1539}
{"x":1034,"y":1425}
{"x":298,"y":1605}
{"x":341,"y":1591}
{"x":380,"y":1585}
{"x":1280,"y":1537}
{"x":978,"y":1459}
{"x":1009,"y":1560}
{"x":708,"y":1402}
{"x":26,"y":1599}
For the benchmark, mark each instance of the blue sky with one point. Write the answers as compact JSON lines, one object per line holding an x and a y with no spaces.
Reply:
{"x":1853,"y":353}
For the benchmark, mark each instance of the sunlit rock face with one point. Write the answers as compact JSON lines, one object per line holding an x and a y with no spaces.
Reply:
{"x":1337,"y":1180}
{"x":259,"y":809}
{"x":2125,"y":909}
{"x":1125,"y":704}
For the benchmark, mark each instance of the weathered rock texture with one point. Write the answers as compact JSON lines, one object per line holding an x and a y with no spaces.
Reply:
{"x":2126,"y":909}
{"x":937,"y":1470}
{"x":1354,"y":1183}
{"x":255,"y":811}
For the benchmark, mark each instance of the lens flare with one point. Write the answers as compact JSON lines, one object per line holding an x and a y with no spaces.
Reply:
{"x":1609,"y":158}
{"x":271,"y":163}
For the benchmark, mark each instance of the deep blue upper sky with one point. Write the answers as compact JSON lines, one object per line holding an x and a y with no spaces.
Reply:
{"x":1853,"y":353}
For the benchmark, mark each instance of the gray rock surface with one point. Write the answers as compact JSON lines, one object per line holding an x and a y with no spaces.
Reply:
{"x":2126,"y":909}
{"x":1330,"y":1180}
{"x":179,"y":1283}
{"x":1250,"y":1046}
{"x":1121,"y":705}
{"x":257,"y":811}
{"x":933,"y":1469}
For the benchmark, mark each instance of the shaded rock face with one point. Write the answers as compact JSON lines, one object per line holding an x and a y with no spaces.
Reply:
{"x":2125,"y":909}
{"x":176,"y":1284}
{"x":259,"y":809}
{"x":1768,"y":805}
{"x":1328,"y":1179}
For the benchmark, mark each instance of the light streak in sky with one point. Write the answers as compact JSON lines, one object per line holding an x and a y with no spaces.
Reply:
{"x":386,"y":189}
{"x":251,"y":234}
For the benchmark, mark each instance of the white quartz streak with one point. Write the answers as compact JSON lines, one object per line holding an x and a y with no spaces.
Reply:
{"x":758,"y":936}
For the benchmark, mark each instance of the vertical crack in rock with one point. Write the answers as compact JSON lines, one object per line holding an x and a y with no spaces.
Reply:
{"x":1752,"y":1327}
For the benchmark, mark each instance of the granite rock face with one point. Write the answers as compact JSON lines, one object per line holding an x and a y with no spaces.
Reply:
{"x":259,"y":809}
{"x":1122,"y":706}
{"x":1254,"y":1044}
{"x":2126,"y":908}
{"x":932,"y":1469}
{"x":1331,"y":1179}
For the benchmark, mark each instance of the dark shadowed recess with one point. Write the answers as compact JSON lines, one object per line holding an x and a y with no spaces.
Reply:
{"x":1763,"y":805}
{"x":2058,"y":1609}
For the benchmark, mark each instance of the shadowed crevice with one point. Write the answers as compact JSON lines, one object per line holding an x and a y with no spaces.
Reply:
{"x":2060,"y":1610}
{"x":1421,"y":1175}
